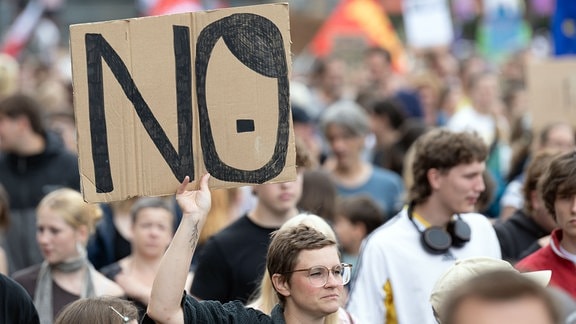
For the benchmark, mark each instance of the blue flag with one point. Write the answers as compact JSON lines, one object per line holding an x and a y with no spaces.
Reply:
{"x":564,"y":27}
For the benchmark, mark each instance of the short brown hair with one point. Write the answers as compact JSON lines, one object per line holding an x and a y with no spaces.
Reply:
{"x":19,"y":105}
{"x":500,"y":285}
{"x":303,"y":158}
{"x":318,"y":194}
{"x":285,"y":248}
{"x":559,"y":180}
{"x":536,"y":168}
{"x":97,"y":310}
{"x":361,"y":209}
{"x":442,"y":149}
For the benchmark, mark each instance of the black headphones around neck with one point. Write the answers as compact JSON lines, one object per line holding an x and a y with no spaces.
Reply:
{"x":436,"y":240}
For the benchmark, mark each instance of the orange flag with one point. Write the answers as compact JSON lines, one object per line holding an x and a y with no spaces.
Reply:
{"x":365,"y":19}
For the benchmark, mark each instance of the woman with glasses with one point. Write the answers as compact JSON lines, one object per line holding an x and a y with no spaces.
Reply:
{"x":266,"y":298}
{"x":304,"y":267}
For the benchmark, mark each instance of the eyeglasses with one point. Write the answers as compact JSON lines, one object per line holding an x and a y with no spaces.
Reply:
{"x":318,"y":275}
{"x":125,"y":319}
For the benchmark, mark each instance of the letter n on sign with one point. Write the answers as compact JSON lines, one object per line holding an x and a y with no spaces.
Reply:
{"x":159,"y":98}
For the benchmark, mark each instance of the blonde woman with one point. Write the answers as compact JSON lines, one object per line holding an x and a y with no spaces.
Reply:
{"x":267,"y":297}
{"x":64,"y":222}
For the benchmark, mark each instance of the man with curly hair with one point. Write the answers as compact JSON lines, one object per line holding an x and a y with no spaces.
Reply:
{"x":402,"y":260}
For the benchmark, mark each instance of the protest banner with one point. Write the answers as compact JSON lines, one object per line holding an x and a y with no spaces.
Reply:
{"x":551,"y":92}
{"x":159,"y":98}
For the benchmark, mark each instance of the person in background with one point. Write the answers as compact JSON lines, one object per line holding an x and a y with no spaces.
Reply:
{"x":267,"y":298}
{"x":99,"y":310}
{"x":559,"y":136}
{"x":303,"y":264}
{"x":558,"y":188}
{"x":33,"y":162}
{"x":16,"y":306}
{"x":383,"y":82}
{"x":468,"y":268}
{"x":485,"y":117}
{"x":327,"y":84}
{"x":528,"y":229}
{"x":152,"y":231}
{"x":305,"y":130}
{"x":224,"y":211}
{"x":232,"y":261}
{"x":500,"y":296}
{"x":386,"y":119}
{"x":401,"y":261}
{"x":345,"y":126}
{"x":110,"y":241}
{"x":64,"y":223}
{"x":356,"y":218}
{"x":318,"y":194}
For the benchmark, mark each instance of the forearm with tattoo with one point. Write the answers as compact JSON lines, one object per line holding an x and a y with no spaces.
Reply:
{"x":195,"y":235}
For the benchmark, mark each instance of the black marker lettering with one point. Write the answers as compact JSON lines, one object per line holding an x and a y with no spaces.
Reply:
{"x":180,"y":162}
{"x":257,"y":43}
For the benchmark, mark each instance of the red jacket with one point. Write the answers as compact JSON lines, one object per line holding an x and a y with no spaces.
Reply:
{"x":551,"y":258}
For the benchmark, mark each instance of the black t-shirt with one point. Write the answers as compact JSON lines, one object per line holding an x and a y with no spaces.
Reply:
{"x":518,"y":236}
{"x":16,"y":305}
{"x":232,"y":262}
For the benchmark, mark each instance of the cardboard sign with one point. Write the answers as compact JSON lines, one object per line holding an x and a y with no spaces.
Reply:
{"x":428,"y":23}
{"x":159,"y":98}
{"x":552,"y":92}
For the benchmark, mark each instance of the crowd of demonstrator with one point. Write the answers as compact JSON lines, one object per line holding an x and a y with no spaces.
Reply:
{"x":430,"y":186}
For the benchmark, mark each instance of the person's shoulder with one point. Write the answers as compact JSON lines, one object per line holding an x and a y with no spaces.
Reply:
{"x":535,"y":261}
{"x":386,"y":174}
{"x":27,"y":273}
{"x":462,"y":115}
{"x":389,"y":231}
{"x":237,"y":226}
{"x":105,"y":286}
{"x":232,"y":237}
{"x":111,"y":270}
{"x":476,"y":219}
{"x":8,"y":284}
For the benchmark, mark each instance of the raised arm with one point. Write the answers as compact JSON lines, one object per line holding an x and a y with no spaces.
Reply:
{"x":164,"y":305}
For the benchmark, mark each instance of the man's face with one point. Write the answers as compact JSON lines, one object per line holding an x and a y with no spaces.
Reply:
{"x":152,"y":231}
{"x":565,"y":209}
{"x":525,"y":310}
{"x":280,"y":198}
{"x":346,"y":146}
{"x":348,"y":233}
{"x":378,"y":68}
{"x":485,"y":94}
{"x":560,"y":138}
{"x":9,"y":133}
{"x":459,"y":188}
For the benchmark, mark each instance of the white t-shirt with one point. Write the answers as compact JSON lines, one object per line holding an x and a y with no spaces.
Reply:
{"x":393,"y":257}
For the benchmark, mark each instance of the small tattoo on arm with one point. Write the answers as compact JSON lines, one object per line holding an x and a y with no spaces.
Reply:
{"x":195,"y":235}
